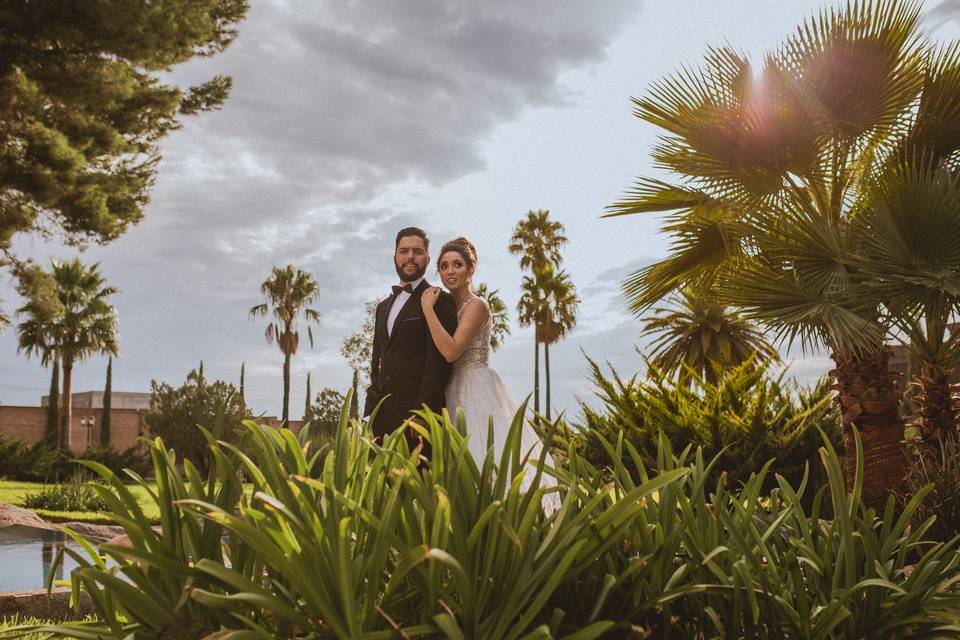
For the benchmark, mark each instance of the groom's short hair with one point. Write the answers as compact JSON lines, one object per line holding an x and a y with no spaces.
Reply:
{"x":412,"y":231}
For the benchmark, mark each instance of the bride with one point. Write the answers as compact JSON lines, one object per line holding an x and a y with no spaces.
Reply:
{"x":474,"y":387}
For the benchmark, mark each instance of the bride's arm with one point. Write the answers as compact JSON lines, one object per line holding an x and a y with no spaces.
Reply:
{"x":471,"y":322}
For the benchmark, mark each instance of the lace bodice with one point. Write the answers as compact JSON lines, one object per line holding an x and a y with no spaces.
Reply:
{"x":477,"y":353}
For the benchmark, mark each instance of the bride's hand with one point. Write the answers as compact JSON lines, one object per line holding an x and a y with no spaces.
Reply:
{"x":429,"y":298}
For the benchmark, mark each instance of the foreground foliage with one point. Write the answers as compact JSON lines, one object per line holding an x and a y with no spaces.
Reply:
{"x":373,"y":548}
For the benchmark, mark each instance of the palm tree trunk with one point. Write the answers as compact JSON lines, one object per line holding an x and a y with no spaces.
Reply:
{"x":546,"y":373}
{"x":870,"y":401}
{"x":937,"y":415}
{"x":66,"y":413}
{"x":286,"y":388}
{"x":536,"y":376}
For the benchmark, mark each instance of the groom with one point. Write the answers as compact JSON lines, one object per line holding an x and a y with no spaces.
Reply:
{"x":406,"y":367}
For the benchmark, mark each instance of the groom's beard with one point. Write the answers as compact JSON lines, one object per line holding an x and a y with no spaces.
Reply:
{"x":411,"y":276}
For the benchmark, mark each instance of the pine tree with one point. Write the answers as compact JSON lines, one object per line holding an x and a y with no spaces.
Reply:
{"x":107,"y":402}
{"x":86,"y":103}
{"x":53,"y":407}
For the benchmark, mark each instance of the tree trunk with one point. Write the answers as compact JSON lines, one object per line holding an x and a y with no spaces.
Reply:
{"x":546,"y":374}
{"x":286,"y":388}
{"x":66,"y":412}
{"x":937,"y":417}
{"x":536,"y":376}
{"x":870,"y":401}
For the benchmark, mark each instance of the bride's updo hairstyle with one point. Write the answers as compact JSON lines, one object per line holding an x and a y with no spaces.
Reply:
{"x":462,"y":246}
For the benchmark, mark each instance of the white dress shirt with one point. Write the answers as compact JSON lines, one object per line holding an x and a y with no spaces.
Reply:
{"x":398,"y":303}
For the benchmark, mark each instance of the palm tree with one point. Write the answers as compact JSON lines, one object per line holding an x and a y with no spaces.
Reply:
{"x":910,"y":249}
{"x":81,"y":324}
{"x":700,"y":334}
{"x":529,"y":312}
{"x":499,"y":318}
{"x":548,"y":303}
{"x":537,"y":240}
{"x":773,"y":172}
{"x":288,"y":291}
{"x":559,"y":316}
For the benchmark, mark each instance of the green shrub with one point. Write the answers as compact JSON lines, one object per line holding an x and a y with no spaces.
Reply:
{"x":940,"y":470}
{"x":74,"y":495}
{"x":374,"y":548}
{"x":175,"y":414}
{"x":745,"y":419}
{"x":42,"y":462}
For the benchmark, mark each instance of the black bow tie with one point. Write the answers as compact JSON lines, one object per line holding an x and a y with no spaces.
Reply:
{"x":397,"y":290}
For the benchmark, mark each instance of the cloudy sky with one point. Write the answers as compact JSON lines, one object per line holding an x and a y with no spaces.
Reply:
{"x":350,"y":120}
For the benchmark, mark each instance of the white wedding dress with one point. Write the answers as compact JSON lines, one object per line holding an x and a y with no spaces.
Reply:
{"x":476,"y":389}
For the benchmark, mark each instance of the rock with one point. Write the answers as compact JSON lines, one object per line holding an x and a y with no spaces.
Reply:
{"x":123,"y":540}
{"x":94,"y":532}
{"x":12,"y":516}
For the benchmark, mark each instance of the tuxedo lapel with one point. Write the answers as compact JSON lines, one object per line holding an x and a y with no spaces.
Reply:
{"x":410,"y":307}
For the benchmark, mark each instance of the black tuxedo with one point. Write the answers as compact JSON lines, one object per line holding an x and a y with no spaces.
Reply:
{"x":406,"y":366}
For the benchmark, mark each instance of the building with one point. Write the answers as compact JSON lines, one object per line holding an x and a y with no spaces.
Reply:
{"x":127,"y":423}
{"x":118,"y":400}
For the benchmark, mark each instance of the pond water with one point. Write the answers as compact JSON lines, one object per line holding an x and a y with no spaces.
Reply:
{"x":26,"y":557}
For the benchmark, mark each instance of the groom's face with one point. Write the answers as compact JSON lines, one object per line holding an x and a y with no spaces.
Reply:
{"x":411,"y":258}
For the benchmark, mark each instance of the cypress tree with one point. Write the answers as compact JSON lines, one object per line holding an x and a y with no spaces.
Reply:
{"x":107,"y":403}
{"x":354,"y":401}
{"x":200,"y":372}
{"x":53,"y":407}
{"x":243,"y":398}
{"x":306,"y":408}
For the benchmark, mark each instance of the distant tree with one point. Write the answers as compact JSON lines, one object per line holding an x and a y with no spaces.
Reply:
{"x":175,"y":413}
{"x":548,"y":303}
{"x":324,"y":414}
{"x":53,"y":403}
{"x":242,"y":390}
{"x":499,"y":317}
{"x":537,"y":241}
{"x":288,"y":291}
{"x":356,"y":350}
{"x":700,"y":334}
{"x":107,"y":403}
{"x":559,"y":316}
{"x":326,"y":406}
{"x":81,"y":323}
{"x":306,"y":408}
{"x":83,"y":108}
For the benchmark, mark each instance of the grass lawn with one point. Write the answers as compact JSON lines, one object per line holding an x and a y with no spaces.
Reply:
{"x":12,"y":492}
{"x":16,"y":621}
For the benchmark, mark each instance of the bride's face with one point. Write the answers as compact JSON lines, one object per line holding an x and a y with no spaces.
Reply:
{"x":454,"y":271}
